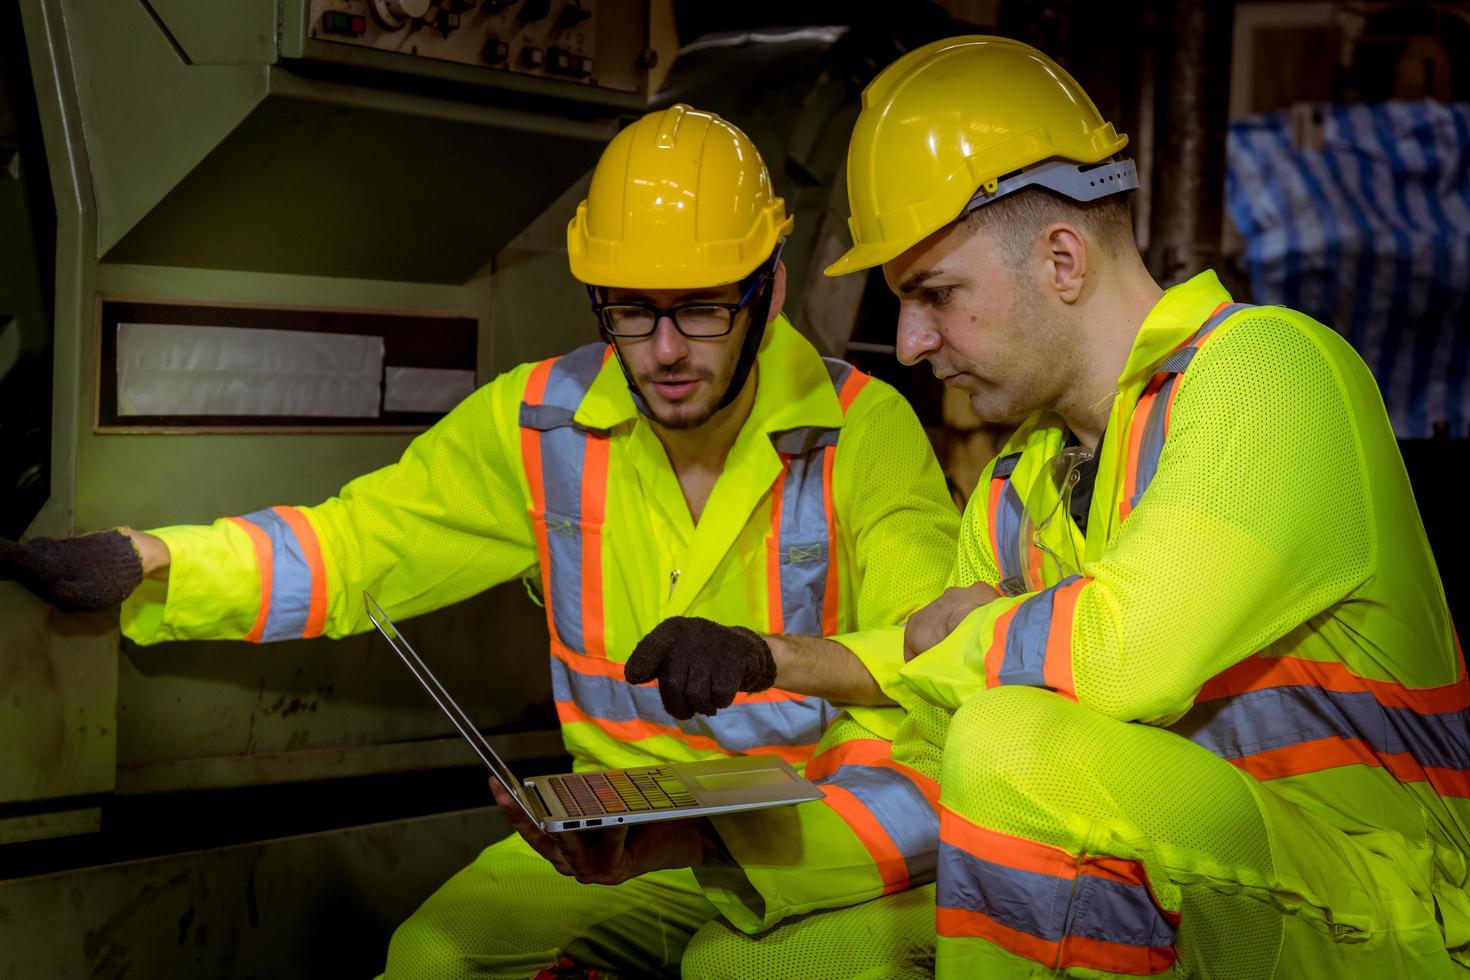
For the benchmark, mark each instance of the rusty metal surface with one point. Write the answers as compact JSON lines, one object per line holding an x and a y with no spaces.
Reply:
{"x":320,"y":905}
{"x":58,"y":684}
{"x":212,"y":701}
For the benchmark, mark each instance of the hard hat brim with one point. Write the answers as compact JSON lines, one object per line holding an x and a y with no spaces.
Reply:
{"x":861,"y":257}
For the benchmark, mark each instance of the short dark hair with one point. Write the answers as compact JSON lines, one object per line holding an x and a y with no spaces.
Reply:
{"x":1015,"y":220}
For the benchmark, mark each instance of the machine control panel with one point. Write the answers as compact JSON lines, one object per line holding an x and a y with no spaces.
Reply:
{"x":599,"y":43}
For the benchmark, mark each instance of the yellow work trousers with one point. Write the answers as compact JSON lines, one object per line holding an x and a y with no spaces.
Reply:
{"x":1071,"y":843}
{"x":510,"y":914}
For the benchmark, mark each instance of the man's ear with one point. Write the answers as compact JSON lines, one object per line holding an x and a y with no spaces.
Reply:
{"x":1067,"y":261}
{"x":778,"y":292}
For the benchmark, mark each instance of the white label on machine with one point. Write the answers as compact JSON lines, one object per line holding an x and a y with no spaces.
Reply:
{"x":176,"y":369}
{"x":411,"y":389}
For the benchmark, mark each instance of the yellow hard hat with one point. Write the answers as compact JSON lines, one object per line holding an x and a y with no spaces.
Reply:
{"x":679,"y":200}
{"x":947,"y":127}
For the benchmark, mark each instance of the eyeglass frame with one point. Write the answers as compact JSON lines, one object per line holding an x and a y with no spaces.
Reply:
{"x":672,"y":313}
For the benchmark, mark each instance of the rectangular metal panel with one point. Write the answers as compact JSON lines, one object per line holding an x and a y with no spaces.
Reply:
{"x":319,"y":905}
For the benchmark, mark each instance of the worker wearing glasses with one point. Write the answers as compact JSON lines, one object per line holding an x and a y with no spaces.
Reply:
{"x":699,"y":498}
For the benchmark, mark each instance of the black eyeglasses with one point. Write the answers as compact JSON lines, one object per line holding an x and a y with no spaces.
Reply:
{"x":700,"y":321}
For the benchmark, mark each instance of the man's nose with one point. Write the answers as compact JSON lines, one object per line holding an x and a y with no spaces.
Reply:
{"x":917,"y":339}
{"x":669,"y":345}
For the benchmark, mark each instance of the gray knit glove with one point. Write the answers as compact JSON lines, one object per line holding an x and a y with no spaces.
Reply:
{"x":86,"y":574}
{"x":700,"y":665}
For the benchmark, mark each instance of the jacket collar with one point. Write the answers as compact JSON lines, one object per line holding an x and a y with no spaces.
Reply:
{"x":1181,"y":311}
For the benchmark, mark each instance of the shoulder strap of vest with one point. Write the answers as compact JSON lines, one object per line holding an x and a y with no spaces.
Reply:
{"x":1004,"y":513}
{"x":847,"y":381}
{"x":1150,"y":424}
{"x":801,"y":557}
{"x":557,"y":386}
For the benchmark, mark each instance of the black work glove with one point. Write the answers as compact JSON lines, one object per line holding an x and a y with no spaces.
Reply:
{"x":700,"y":665}
{"x":83,"y":574}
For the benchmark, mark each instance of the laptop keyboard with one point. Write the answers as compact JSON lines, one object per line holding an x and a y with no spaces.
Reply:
{"x":620,"y":791}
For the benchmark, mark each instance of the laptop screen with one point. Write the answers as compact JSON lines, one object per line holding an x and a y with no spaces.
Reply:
{"x":448,"y":705}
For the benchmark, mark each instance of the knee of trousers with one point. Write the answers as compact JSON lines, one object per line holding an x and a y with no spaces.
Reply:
{"x":1002,"y":739}
{"x":456,"y":938}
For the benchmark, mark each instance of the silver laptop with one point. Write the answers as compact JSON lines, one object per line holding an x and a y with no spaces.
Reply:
{"x":579,"y":800}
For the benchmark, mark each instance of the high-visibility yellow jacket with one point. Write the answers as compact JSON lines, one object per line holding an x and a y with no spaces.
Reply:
{"x":830,"y":479}
{"x":1255,"y":576}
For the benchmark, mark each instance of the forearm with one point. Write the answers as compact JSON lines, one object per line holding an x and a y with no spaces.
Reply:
{"x":823,"y":668}
{"x":153,"y":552}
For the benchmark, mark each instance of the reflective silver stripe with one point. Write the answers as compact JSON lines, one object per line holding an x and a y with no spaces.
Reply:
{"x":290,"y":599}
{"x":901,"y":809}
{"x":1005,"y":536}
{"x":563,"y":448}
{"x":741,"y":727}
{"x":802,"y":560}
{"x":1024,"y":662}
{"x":1155,"y":428}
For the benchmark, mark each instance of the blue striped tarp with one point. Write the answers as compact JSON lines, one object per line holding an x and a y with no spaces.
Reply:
{"x":1370,"y":234}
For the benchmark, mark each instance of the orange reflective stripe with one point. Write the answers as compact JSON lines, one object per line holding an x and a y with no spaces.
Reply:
{"x":316,"y":613}
{"x":265,"y":568}
{"x":1057,"y":668}
{"x":775,"y":619}
{"x":535,"y":482}
{"x":1138,"y":425}
{"x":893,"y":870}
{"x":1011,"y":851}
{"x":830,"y":598}
{"x":854,"y":383}
{"x":1002,"y":851}
{"x":1038,"y":858}
{"x":1074,"y":951}
{"x":1256,"y":673}
{"x":594,"y":504}
{"x":1329,"y":753}
{"x":853,"y":752}
{"x":1033,"y":559}
{"x":1136,"y":429}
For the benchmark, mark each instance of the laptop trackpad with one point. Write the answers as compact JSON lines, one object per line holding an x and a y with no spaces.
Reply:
{"x":734,"y":782}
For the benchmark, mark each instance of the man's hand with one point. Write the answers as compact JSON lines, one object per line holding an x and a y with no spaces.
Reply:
{"x":613,"y":855}
{"x":941,"y":617}
{"x":86,"y":574}
{"x":700,"y":665}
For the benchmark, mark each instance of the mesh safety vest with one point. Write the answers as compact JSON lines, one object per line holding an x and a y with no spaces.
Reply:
{"x":1272,"y":716}
{"x":566,"y":469}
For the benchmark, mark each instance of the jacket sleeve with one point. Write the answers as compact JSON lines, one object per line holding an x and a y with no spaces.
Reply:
{"x":1257,"y":520}
{"x":446,"y":521}
{"x":896,"y":509}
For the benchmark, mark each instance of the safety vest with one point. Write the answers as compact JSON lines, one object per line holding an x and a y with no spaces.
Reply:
{"x":566,"y":471}
{"x":1271,"y":716}
{"x":1146,"y":432}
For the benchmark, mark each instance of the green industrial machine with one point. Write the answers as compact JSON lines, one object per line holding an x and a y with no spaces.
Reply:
{"x":212,"y":809}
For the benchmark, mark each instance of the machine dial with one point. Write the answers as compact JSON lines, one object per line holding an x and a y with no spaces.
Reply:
{"x":395,"y":13}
